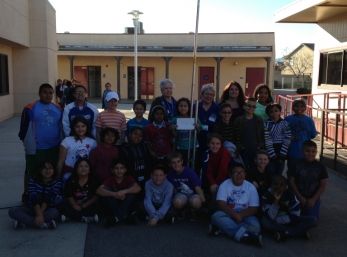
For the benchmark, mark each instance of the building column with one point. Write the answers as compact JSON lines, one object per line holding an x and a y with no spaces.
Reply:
{"x":71,"y":57}
{"x":118,"y":58}
{"x":268,"y":60}
{"x":167,"y":60}
{"x":218,"y":60}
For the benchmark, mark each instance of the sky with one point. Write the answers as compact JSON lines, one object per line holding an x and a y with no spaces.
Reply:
{"x":179,"y":16}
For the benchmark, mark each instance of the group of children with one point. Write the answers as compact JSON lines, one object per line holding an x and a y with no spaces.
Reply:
{"x":141,"y":167}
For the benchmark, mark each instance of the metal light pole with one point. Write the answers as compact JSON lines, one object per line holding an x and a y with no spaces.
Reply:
{"x":136,"y":14}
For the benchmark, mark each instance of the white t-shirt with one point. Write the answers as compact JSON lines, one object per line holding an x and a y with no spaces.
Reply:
{"x":76,"y":150}
{"x":238,"y":197}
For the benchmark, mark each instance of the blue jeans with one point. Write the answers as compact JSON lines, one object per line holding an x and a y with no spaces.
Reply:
{"x":295,"y":228}
{"x":236,"y":230}
{"x":27,"y":215}
{"x":120,"y":208}
{"x":276,"y":167}
{"x":312,"y":212}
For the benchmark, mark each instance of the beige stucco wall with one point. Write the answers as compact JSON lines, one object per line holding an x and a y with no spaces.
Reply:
{"x":302,"y":62}
{"x":6,"y":101}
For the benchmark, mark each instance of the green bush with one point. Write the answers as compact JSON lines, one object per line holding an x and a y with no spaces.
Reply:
{"x":303,"y":90}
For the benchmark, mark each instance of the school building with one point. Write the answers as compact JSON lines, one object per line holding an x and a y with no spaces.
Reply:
{"x":33,"y":53}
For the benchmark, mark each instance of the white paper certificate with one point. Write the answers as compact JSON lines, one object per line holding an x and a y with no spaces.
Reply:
{"x":185,"y":123}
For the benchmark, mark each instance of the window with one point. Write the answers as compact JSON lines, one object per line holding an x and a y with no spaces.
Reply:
{"x":4,"y":85}
{"x":332,"y":69}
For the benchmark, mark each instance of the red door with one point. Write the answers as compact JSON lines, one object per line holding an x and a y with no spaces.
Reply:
{"x":81,"y":76}
{"x":147,"y":83}
{"x":254,"y":76}
{"x":206,"y":76}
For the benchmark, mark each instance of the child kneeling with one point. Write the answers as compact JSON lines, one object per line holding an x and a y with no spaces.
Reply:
{"x":80,"y":191}
{"x":187,"y":187}
{"x":119,"y":193}
{"x":158,"y":197}
{"x":282,"y":212}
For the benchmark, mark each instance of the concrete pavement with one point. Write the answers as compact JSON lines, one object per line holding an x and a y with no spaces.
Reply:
{"x":181,"y":239}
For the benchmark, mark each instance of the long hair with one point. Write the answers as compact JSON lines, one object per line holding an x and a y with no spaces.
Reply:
{"x":74,"y":122}
{"x":183,"y":99}
{"x":225,"y":95}
{"x":258,"y":88}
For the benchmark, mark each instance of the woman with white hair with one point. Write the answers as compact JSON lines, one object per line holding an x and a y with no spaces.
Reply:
{"x":166,"y":99}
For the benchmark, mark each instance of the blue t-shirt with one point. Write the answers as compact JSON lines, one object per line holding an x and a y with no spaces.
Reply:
{"x":132,"y":123}
{"x":185,"y":182}
{"x":47,"y":119}
{"x":303,"y":129}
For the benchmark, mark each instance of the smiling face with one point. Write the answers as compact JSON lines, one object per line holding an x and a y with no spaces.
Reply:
{"x":263,"y":95}
{"x":158,"y":177}
{"x":250,"y":107}
{"x":214,"y":145}
{"x":183,"y":108}
{"x":83,"y":169}
{"x":112,"y":104}
{"x":136,"y":136}
{"x":237,"y":175}
{"x":233,"y":91}
{"x":208,"y":96}
{"x":226,"y":113}
{"x":47,"y":172}
{"x":299,"y":109}
{"x":139,"y":110}
{"x":274,"y":113}
{"x":176,"y":164}
{"x":261,"y":160}
{"x":279,"y":185}
{"x":158,"y":115}
{"x":119,"y":170}
{"x":167,"y":90}
{"x":80,"y":129}
{"x":79,"y":94}
{"x":309,"y":153}
{"x":46,"y":95}
{"x":109,"y":138}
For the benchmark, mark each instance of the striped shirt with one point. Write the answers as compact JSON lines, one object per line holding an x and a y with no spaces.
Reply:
{"x":114,"y":120}
{"x":277,"y":133}
{"x":40,"y":192}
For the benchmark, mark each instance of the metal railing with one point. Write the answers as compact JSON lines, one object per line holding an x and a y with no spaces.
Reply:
{"x":329,"y":118}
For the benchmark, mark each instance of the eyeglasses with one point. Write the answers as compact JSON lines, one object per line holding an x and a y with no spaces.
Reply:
{"x":241,"y":173}
{"x":226,"y":112}
{"x":207,"y":94}
{"x":47,"y":168}
{"x":80,"y":92}
{"x":251,"y":106}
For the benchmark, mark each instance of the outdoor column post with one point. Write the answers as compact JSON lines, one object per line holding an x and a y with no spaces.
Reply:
{"x":71,"y":57}
{"x":118,"y":58}
{"x":167,"y":60}
{"x":218,"y":60}
{"x":267,"y":59}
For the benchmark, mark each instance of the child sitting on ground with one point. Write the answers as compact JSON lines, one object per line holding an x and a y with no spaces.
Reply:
{"x":260,"y":177}
{"x":158,"y":197}
{"x":139,"y":108}
{"x":158,"y":135}
{"x":308,"y":179}
{"x":119,"y":192}
{"x":80,"y":191}
{"x":101,"y":156}
{"x":40,"y":211}
{"x":187,"y":187}
{"x":282,"y":212}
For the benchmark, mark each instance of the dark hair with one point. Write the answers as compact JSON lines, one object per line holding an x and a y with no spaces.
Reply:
{"x":262,"y":152}
{"x":174,"y":155}
{"x":116,"y":161}
{"x":216,"y":135}
{"x":107,"y":130}
{"x":81,"y":86}
{"x":74,"y":122}
{"x":251,"y":99}
{"x":225,"y":95}
{"x":107,"y":83}
{"x":68,"y":83}
{"x":155,"y":108}
{"x":141,"y":102}
{"x":75,"y":167}
{"x":42,"y":165}
{"x":159,"y":167}
{"x":309,"y":143}
{"x":59,"y":80}
{"x":298,"y":101}
{"x":135,"y":128}
{"x":278,"y":177}
{"x":183,"y":99}
{"x":45,"y":85}
{"x":225,"y":105}
{"x":234,"y":166}
{"x":271,"y":106}
{"x":258,"y":88}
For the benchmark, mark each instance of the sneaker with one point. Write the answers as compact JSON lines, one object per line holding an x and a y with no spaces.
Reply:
{"x":193,"y":216}
{"x":279,"y":236}
{"x":17,"y":224}
{"x":182,"y":214}
{"x":252,"y":238}
{"x":173,"y":220}
{"x":213,"y":230}
{"x":63,"y":218}
{"x":306,"y":236}
{"x":49,"y":225}
{"x":88,"y":219}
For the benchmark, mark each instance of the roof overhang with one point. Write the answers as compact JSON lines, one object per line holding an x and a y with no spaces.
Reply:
{"x":310,"y":11}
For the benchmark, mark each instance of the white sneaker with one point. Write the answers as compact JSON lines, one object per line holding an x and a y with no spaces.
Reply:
{"x":49,"y":225}
{"x":63,"y":218}
{"x":17,"y":224}
{"x":88,"y":219}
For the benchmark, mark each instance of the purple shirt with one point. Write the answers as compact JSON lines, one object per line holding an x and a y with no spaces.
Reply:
{"x":185,"y":182}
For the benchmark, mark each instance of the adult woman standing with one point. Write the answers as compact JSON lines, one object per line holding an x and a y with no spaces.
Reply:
{"x":233,"y":94}
{"x":166,"y":100}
